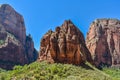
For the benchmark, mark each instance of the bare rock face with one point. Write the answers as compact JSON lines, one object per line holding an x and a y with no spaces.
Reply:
{"x":13,"y":22}
{"x":31,"y":52}
{"x":65,"y":45}
{"x":15,"y":47}
{"x":103,"y":41}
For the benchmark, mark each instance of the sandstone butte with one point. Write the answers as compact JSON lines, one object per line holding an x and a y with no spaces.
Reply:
{"x":15,"y":47}
{"x":103,"y":41}
{"x":65,"y":45}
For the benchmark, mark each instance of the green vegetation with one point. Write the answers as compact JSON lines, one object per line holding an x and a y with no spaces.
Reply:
{"x":2,"y":42}
{"x":113,"y":72}
{"x":45,"y":71}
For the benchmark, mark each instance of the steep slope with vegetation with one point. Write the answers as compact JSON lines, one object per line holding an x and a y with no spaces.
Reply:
{"x":46,"y":71}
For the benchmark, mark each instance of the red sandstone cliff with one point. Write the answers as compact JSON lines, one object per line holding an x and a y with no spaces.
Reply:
{"x":103,"y":41}
{"x":15,"y":47}
{"x":65,"y":45}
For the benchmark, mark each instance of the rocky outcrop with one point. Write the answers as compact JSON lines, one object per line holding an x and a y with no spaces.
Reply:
{"x":13,"y":22}
{"x":15,"y":47}
{"x":65,"y":45}
{"x":103,"y":41}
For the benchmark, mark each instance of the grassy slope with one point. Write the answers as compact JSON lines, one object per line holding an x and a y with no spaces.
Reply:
{"x":45,"y":71}
{"x":113,"y":72}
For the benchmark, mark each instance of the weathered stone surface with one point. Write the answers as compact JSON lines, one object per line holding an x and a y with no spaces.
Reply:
{"x":65,"y":45}
{"x":31,"y":52}
{"x":15,"y":47}
{"x":13,"y":22}
{"x":103,"y":41}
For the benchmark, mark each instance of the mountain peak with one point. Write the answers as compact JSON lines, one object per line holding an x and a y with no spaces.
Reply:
{"x":65,"y":45}
{"x":68,"y":21}
{"x":6,"y":7}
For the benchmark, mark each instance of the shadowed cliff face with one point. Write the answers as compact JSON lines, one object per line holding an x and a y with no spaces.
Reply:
{"x":15,"y":47}
{"x":65,"y":45}
{"x":13,"y":22}
{"x":103,"y":41}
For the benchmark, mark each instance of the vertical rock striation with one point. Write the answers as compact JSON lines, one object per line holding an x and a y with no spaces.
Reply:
{"x":65,"y":45}
{"x":15,"y":47}
{"x":103,"y":41}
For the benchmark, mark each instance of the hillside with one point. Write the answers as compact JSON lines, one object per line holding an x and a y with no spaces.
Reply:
{"x":46,"y":71}
{"x":113,"y":72}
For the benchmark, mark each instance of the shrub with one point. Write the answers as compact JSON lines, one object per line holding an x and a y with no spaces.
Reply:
{"x":45,"y":71}
{"x":2,"y":42}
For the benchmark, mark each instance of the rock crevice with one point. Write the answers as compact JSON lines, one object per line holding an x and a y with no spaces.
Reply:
{"x":103,"y":40}
{"x":65,"y":45}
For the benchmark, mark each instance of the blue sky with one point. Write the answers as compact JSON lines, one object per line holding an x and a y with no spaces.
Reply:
{"x":42,"y":15}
